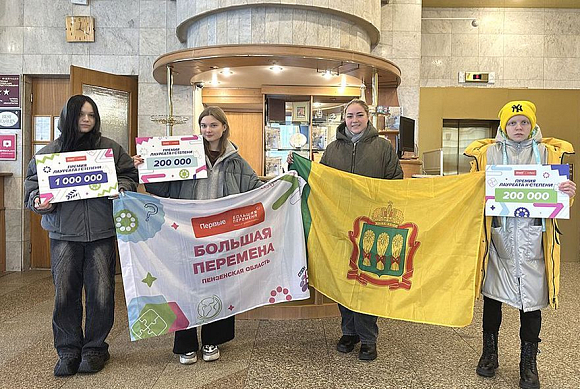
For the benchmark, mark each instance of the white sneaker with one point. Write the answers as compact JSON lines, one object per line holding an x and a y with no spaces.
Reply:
{"x":210,"y":353}
{"x":188,"y":358}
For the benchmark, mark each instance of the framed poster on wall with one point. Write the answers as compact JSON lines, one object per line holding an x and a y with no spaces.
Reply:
{"x":300,"y":111}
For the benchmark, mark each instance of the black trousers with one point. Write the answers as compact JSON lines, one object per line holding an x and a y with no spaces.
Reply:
{"x":530,"y":322}
{"x":215,"y":333}
{"x":74,"y":266}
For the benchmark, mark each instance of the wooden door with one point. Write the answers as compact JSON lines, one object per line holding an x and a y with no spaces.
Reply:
{"x":246,"y":133}
{"x":116,"y":99}
{"x":48,"y":97}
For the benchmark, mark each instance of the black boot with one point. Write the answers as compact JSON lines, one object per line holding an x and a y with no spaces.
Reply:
{"x":488,"y":361}
{"x":347,"y":342}
{"x":528,"y":369}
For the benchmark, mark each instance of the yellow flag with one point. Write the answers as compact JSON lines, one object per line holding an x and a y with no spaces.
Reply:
{"x":402,"y":249}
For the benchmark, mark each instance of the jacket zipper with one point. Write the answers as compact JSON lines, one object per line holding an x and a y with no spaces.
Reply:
{"x":353,"y":157}
{"x":515,"y":225}
{"x":87,"y":223}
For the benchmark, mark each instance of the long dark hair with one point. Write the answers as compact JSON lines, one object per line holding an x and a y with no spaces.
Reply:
{"x":70,"y":137}
{"x":220,"y":115}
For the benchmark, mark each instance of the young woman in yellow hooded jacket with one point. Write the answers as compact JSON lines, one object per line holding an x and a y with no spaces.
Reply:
{"x":520,"y":263}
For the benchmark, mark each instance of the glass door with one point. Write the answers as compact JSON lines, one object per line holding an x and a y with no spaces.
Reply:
{"x":327,"y":117}
{"x":457,"y":134}
{"x":303,"y":124}
{"x":286,"y":132}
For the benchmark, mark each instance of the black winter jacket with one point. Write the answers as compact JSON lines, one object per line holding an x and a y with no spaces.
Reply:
{"x":81,"y":220}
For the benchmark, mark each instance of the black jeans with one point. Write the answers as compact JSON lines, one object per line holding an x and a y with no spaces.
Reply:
{"x":215,"y":333}
{"x":354,"y":323}
{"x":530,"y":322}
{"x":74,"y":265}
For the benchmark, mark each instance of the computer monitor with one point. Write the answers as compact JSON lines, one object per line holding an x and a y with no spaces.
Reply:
{"x":406,"y":136}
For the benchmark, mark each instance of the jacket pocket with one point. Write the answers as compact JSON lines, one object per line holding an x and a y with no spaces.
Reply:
{"x":533,"y":239}
{"x":51,"y":221}
{"x":72,"y":219}
{"x":101,"y":215}
{"x":498,"y":242}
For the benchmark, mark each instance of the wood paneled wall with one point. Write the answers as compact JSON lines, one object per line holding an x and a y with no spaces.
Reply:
{"x":49,"y":95}
{"x":246,"y":133}
{"x":234,"y":99}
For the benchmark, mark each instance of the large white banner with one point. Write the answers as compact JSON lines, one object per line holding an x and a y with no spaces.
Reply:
{"x":190,"y":262}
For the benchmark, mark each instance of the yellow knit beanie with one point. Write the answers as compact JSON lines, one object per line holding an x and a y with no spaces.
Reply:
{"x":514,"y":108}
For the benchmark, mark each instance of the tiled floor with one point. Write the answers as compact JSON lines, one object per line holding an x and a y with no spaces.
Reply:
{"x":287,"y":354}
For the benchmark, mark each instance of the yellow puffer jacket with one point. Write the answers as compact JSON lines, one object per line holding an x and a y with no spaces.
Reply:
{"x":551,"y":241}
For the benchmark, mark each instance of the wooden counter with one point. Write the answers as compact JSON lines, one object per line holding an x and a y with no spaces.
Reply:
{"x":410,"y":167}
{"x":2,"y":224}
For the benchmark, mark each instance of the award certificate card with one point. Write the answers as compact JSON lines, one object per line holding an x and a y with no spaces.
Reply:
{"x":171,"y":158}
{"x":526,"y":191}
{"x":76,"y":175}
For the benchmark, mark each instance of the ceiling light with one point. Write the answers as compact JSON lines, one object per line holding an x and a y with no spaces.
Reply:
{"x":276,"y":68}
{"x":327,"y":73}
{"x":226,"y":72}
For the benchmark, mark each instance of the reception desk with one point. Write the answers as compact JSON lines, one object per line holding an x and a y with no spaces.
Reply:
{"x":2,"y":224}
{"x":410,"y":167}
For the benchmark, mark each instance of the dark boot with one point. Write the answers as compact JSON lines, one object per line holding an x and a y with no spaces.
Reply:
{"x":347,"y":342}
{"x":488,"y":361}
{"x":528,"y":369}
{"x":66,"y":366}
{"x":368,"y":352}
{"x":93,"y":363}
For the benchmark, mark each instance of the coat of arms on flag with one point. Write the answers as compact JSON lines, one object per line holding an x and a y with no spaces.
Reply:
{"x":383,"y":249}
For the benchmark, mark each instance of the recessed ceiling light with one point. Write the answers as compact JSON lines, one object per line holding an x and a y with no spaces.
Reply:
{"x":226,"y":72}
{"x":276,"y":68}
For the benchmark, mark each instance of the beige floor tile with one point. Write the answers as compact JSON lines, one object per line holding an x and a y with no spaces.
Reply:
{"x":288,"y":353}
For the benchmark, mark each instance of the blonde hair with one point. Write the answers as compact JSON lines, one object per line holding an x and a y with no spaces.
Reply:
{"x":220,"y":115}
{"x":360,"y":102}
